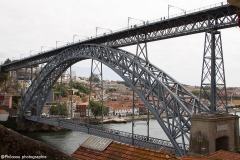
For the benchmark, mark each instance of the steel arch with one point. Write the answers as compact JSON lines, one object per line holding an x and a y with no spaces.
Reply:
{"x":170,"y":103}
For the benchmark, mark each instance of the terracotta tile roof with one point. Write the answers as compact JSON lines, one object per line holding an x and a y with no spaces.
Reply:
{"x":236,"y":102}
{"x":191,"y":157}
{"x":3,"y":112}
{"x":224,"y":155}
{"x":64,"y":99}
{"x":218,"y":155}
{"x":75,"y":97}
{"x":119,"y":151}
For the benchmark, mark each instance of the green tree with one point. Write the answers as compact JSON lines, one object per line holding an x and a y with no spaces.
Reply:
{"x":62,"y":109}
{"x":15,"y":101}
{"x":96,"y":108}
{"x":4,"y":78}
{"x":56,"y":89}
{"x":95,"y":78}
{"x":81,"y":88}
{"x":123,"y":82}
{"x":195,"y":92}
{"x":207,"y":87}
{"x":111,"y":89}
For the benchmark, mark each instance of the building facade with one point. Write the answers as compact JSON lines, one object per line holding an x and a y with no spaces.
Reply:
{"x":81,"y":109}
{"x":5,"y":100}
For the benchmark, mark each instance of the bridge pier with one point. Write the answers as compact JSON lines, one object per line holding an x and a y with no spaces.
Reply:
{"x":213,"y":84}
{"x":213,"y":132}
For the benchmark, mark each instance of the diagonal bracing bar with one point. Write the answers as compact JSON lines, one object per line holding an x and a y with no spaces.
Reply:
{"x":96,"y":87}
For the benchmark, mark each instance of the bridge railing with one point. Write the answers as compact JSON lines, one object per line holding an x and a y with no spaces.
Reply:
{"x":163,"y":18}
{"x":190,"y":11}
{"x":114,"y":134}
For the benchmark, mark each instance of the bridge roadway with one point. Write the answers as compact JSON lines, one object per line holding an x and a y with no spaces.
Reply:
{"x":217,"y":17}
{"x":116,"y":135}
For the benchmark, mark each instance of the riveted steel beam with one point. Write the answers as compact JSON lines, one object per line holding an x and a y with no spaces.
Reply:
{"x":218,"y":17}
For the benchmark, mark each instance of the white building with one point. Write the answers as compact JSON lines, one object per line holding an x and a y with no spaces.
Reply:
{"x":125,"y":112}
{"x":3,"y":115}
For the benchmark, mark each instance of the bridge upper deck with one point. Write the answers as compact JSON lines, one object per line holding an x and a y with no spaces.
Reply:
{"x":217,"y":17}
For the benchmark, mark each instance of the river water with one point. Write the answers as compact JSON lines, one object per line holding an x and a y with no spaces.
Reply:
{"x":69,"y":141}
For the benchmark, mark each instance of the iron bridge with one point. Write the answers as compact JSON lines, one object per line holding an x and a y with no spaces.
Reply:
{"x":161,"y":93}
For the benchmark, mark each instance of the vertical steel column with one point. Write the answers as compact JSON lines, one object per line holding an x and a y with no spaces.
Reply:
{"x":213,"y":74}
{"x":141,"y":51}
{"x":17,"y":80}
{"x":97,"y":78}
{"x":89,"y":97}
{"x":31,"y":74}
{"x":148,"y":125}
{"x":49,"y":106}
{"x":133,"y":106}
{"x":60,"y":96}
{"x":11,"y":78}
{"x":38,"y":108}
{"x":24,"y":84}
{"x":102,"y":94}
{"x":71,"y":84}
{"x":213,"y":85}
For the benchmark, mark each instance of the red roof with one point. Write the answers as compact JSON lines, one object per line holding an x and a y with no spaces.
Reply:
{"x":121,"y":151}
{"x":3,"y":112}
{"x":82,"y":104}
{"x":218,"y":155}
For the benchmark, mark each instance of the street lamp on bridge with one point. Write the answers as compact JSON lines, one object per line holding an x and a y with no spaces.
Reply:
{"x":45,"y":46}
{"x":14,"y":58}
{"x":102,"y":28}
{"x":31,"y":51}
{"x":169,"y":6}
{"x":62,"y":42}
{"x":129,"y":18}
{"x":75,"y":35}
{"x":21,"y":55}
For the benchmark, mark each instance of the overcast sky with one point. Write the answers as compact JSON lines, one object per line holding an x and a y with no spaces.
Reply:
{"x":29,"y":24}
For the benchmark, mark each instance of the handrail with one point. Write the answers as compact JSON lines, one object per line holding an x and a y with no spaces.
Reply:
{"x":106,"y":130}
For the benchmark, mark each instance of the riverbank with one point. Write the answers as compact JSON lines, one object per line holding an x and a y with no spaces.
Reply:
{"x":31,"y":126}
{"x":15,"y":144}
{"x":126,"y":119}
{"x":69,"y":141}
{"x":113,"y":119}
{"x":10,"y":123}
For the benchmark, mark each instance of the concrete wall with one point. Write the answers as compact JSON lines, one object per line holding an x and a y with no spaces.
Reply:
{"x":234,"y":2}
{"x":206,"y":129}
{"x":4,"y":117}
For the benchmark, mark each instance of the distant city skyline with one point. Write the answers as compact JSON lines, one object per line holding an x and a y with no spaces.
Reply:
{"x":26,"y":29}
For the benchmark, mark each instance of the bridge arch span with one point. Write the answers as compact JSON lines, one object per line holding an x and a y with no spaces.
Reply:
{"x":170,"y":103}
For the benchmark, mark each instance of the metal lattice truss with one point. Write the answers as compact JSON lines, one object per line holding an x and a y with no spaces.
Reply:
{"x":219,"y":17}
{"x":179,"y":26}
{"x":170,"y":103}
{"x":213,"y":75}
{"x":96,"y":72}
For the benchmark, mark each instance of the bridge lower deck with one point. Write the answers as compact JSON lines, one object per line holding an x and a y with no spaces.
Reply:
{"x":116,"y":135}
